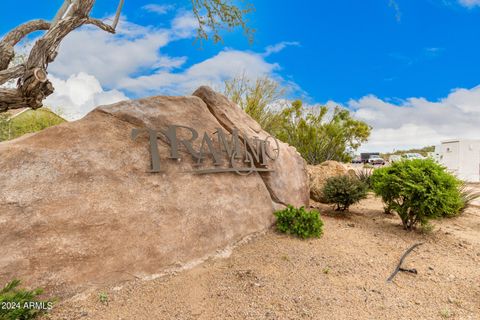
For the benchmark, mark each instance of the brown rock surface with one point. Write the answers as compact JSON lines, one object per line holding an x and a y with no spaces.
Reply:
{"x":288,"y":184}
{"x":319,"y":174}
{"x":78,"y":207}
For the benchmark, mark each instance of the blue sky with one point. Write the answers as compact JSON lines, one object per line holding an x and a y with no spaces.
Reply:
{"x":409,"y":68}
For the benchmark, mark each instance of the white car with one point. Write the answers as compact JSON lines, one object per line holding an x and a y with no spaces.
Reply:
{"x":374,"y":159}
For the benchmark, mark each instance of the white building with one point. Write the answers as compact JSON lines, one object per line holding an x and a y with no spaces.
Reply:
{"x":437,"y":154}
{"x":461,"y":157}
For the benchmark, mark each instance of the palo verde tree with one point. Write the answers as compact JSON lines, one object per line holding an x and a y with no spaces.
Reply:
{"x":31,"y":76}
{"x":323,"y":135}
{"x":318,"y":134}
{"x":260,"y":99}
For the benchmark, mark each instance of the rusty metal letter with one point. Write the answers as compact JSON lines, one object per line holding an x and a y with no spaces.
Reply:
{"x":154,"y":154}
{"x":211,"y":150}
{"x":230,"y":148}
{"x":174,"y":142}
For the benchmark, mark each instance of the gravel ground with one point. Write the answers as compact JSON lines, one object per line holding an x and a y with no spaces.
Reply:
{"x":339,"y":276}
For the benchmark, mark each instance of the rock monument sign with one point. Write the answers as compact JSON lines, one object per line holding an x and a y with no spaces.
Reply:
{"x":83,"y":204}
{"x":256,"y":153}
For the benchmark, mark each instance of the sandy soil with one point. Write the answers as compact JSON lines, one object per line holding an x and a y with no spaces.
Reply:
{"x":339,"y":276}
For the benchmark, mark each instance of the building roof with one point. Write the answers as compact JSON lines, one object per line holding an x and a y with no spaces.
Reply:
{"x":460,"y":140}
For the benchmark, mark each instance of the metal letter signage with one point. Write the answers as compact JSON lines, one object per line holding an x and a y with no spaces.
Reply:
{"x":243,"y":155}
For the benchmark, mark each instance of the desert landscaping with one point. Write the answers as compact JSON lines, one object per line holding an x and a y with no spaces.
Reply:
{"x":339,"y":276}
{"x":222,"y":159}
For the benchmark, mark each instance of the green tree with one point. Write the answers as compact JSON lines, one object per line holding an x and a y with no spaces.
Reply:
{"x":258,"y":98}
{"x":318,"y":138}
{"x":216,"y":15}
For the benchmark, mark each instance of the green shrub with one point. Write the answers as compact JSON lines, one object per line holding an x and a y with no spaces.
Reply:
{"x":418,"y":190}
{"x":299,"y":222}
{"x":16,"y":304}
{"x":343,"y":191}
{"x":27,"y":122}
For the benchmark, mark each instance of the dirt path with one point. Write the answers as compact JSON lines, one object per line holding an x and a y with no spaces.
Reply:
{"x":339,"y":276}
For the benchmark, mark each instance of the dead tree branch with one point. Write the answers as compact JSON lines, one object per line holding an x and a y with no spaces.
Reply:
{"x":12,"y":73}
{"x":399,"y":266}
{"x":61,"y":12}
{"x":117,"y":15}
{"x":101,"y":25}
{"x":33,"y":84}
{"x":15,"y":36}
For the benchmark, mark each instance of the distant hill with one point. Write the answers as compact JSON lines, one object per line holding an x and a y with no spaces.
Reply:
{"x":21,"y":121}
{"x":423,"y":151}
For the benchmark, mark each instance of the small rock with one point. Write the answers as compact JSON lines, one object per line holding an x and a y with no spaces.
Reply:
{"x":351,"y":225}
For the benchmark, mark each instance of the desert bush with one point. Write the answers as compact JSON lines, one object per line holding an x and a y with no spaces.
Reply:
{"x":365,"y":175}
{"x":299,"y":222}
{"x":16,"y":303}
{"x":343,"y":191}
{"x":319,"y":174}
{"x":467,"y":196}
{"x":418,"y":190}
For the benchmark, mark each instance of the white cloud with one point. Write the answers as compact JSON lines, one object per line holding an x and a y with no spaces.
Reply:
{"x":158,"y":8}
{"x":184,"y":25}
{"x":213,"y":71}
{"x":110,"y":57}
{"x":79,"y":94}
{"x":469,"y":3}
{"x":279,"y":47}
{"x":417,"y":122}
{"x":132,"y":61}
{"x":132,"y":50}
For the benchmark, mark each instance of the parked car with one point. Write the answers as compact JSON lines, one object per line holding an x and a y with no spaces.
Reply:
{"x":364,"y":157}
{"x":374,"y":159}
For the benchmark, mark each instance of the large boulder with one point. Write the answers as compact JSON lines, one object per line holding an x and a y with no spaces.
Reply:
{"x":319,"y":174}
{"x":80,"y":207}
{"x":288,"y":184}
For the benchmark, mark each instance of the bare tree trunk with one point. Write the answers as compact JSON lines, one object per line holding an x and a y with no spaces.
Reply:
{"x":33,"y":85}
{"x":15,"y":36}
